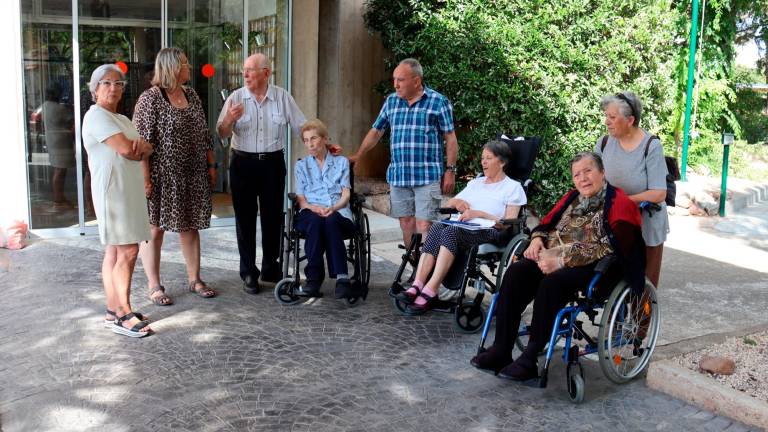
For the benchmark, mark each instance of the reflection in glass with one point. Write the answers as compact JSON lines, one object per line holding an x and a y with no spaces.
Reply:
{"x":48,"y":104}
{"x":130,"y":38}
{"x":210,"y":33}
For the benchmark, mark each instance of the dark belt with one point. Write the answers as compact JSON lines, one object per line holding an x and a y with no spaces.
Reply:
{"x":260,"y":156}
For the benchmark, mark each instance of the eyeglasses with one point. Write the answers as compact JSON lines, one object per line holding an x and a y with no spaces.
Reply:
{"x":118,"y":84}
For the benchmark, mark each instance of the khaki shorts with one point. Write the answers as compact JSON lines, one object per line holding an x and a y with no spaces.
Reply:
{"x":419,"y":201}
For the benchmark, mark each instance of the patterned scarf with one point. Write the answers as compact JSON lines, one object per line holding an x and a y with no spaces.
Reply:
{"x":590,"y":204}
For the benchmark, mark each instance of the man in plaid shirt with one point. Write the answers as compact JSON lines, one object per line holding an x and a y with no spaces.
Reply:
{"x":420,"y":119}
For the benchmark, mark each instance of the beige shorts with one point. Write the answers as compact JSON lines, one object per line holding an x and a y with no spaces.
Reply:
{"x":419,"y":201}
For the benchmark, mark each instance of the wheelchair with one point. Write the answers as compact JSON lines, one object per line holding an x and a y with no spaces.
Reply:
{"x":482,"y":267}
{"x":628,"y":328}
{"x":358,"y":252}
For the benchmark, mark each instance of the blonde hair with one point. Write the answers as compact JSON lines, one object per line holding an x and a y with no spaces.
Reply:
{"x":167,"y":67}
{"x":316,"y":125}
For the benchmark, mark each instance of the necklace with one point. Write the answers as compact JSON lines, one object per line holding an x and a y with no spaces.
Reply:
{"x":178,"y":98}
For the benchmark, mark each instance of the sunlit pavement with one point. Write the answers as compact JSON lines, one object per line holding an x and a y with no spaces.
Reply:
{"x":242,"y":362}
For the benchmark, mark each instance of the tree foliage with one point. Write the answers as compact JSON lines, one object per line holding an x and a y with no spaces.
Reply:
{"x":537,"y":67}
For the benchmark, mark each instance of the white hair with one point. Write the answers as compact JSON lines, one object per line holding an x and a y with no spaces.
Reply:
{"x":99,"y":73}
{"x":414,"y":65}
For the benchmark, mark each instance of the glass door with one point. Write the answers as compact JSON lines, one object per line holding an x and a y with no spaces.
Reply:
{"x":122,"y":32}
{"x":49,"y":111}
{"x":211,"y":34}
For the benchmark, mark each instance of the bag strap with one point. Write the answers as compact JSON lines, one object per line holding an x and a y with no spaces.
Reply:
{"x":648,"y":144}
{"x":602,"y":145}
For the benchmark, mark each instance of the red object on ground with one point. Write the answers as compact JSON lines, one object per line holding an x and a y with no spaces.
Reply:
{"x":123,"y":67}
{"x":208,"y":70}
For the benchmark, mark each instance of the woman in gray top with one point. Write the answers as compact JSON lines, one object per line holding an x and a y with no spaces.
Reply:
{"x":640,"y":172}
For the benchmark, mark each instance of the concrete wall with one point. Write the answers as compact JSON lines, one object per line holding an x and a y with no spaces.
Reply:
{"x":336,"y":63}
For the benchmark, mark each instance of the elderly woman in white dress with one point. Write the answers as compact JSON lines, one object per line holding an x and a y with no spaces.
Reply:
{"x":115,"y":151}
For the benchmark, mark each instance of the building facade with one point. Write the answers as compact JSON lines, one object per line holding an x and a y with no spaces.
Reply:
{"x":319,"y":50}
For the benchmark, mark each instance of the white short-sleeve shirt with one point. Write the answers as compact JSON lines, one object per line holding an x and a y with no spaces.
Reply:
{"x":492,"y":198}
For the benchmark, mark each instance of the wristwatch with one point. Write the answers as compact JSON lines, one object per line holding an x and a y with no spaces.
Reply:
{"x":451,"y":168}
{"x":213,"y":165}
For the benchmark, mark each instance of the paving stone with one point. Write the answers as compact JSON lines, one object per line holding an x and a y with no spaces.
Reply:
{"x":241,"y":362}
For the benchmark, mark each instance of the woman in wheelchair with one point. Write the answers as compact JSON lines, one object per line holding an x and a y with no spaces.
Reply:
{"x":483,"y":203}
{"x":323,"y":191}
{"x":591,"y":221}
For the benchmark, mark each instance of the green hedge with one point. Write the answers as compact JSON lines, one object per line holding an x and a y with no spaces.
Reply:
{"x":536,"y":68}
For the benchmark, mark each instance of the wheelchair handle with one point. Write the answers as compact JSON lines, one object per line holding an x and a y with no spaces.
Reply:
{"x":649,"y":207}
{"x":447,"y":210}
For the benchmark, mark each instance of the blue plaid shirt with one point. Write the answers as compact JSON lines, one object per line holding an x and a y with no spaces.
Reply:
{"x":323,"y":187}
{"x":416,"y":141}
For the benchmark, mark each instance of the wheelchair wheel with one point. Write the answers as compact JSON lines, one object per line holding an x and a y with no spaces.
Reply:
{"x":365,"y":250}
{"x":576,"y":387}
{"x":285,"y":292}
{"x":469,"y":317}
{"x":628,"y":331}
{"x":519,"y":243}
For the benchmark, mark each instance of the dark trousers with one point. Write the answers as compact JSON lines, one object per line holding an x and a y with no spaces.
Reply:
{"x":524,"y":282}
{"x":324,"y":235}
{"x":258,"y":183}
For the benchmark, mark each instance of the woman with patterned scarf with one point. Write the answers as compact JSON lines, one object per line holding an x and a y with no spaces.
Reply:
{"x":560,"y":261}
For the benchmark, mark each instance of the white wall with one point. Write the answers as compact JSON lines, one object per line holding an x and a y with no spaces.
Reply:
{"x":13,"y":183}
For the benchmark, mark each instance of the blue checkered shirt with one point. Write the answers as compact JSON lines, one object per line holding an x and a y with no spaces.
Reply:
{"x":416,"y":140}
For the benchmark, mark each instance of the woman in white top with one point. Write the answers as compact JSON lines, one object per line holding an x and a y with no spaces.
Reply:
{"x":483,"y":203}
{"x":115,"y":151}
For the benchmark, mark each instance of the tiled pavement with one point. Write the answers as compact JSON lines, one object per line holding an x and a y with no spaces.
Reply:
{"x":240,"y":362}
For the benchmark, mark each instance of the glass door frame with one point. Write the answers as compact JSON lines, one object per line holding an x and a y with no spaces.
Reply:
{"x":81,"y":228}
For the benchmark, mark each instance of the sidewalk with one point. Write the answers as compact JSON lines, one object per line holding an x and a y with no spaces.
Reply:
{"x":242,"y":362}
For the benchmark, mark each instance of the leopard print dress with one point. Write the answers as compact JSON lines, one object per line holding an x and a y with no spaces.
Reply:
{"x":181,"y":191}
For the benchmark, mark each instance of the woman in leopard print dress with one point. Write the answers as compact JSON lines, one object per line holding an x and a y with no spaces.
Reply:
{"x":179,"y":177}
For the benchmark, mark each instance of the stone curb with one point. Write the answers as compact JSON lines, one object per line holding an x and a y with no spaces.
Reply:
{"x":746,"y":197}
{"x":706,"y":393}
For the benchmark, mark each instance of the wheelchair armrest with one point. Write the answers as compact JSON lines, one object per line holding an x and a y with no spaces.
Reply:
{"x":605,"y":263}
{"x":357,"y":199}
{"x":447,"y":210}
{"x":510,"y":222}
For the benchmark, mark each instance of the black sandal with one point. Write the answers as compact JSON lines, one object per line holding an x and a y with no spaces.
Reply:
{"x":134,"y":331}
{"x":108,"y":323}
{"x":406,"y":297}
{"x":415,"y":309}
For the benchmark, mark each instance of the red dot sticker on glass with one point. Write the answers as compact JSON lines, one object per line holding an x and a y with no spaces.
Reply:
{"x":123,"y":67}
{"x":208,"y":70}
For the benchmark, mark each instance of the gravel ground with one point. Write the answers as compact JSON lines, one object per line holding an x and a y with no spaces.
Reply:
{"x":750,"y":353}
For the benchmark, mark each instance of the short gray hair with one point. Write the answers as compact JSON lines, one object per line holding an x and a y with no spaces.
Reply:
{"x":99,"y":73}
{"x":629,"y":104}
{"x":587,"y":155}
{"x":414,"y":65}
{"x":500,"y":149}
{"x":167,"y":67}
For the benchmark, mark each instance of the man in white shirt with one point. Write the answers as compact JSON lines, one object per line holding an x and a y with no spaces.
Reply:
{"x":255,"y":117}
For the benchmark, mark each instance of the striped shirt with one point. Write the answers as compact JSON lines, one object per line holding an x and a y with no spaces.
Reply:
{"x":261,"y":128}
{"x":416,"y":141}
